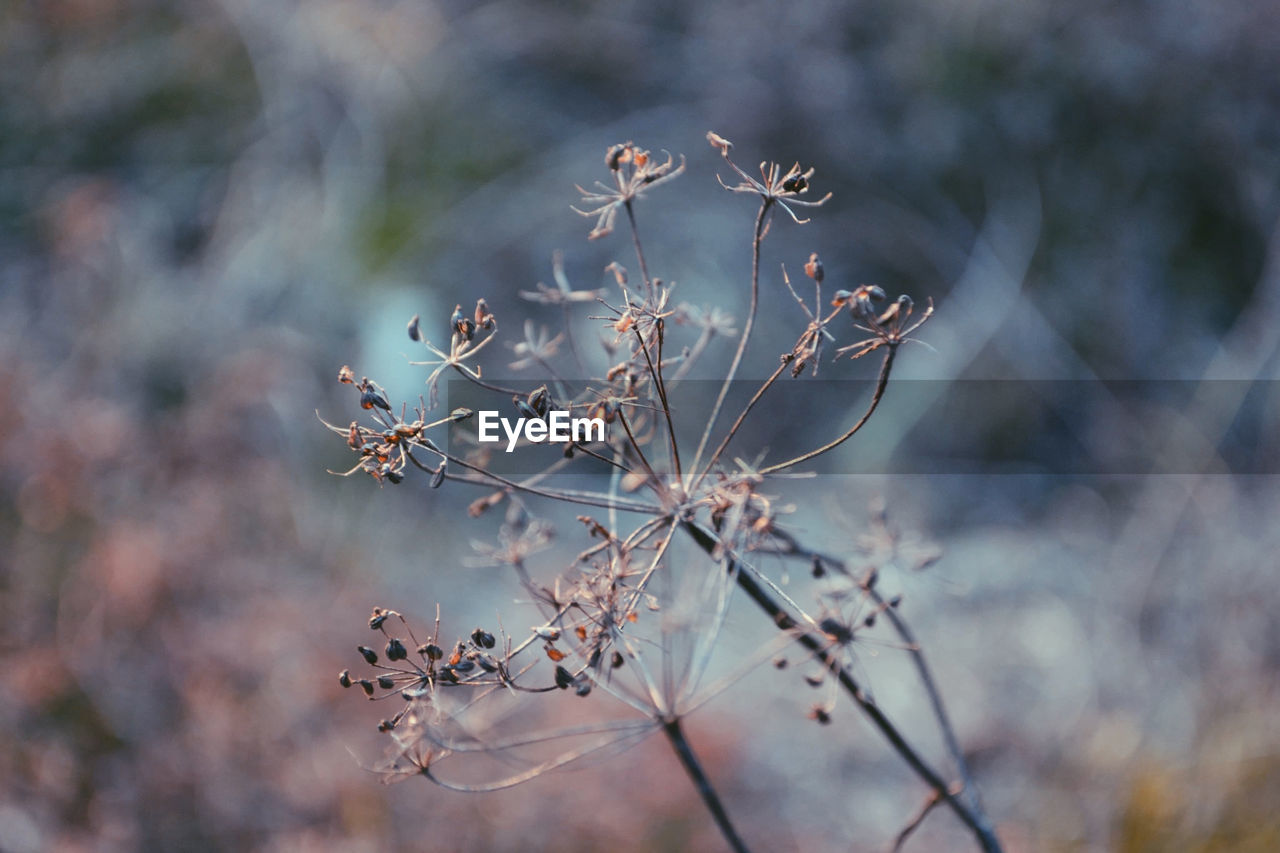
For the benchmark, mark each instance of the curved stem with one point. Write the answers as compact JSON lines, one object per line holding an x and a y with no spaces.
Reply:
{"x":700,"y":781}
{"x":756,"y":239}
{"x":881,"y":382}
{"x":733,"y":430}
{"x":821,"y":650}
{"x":635,"y":239}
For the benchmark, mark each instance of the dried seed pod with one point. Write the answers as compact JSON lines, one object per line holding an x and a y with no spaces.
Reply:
{"x":370,"y":656}
{"x":346,"y":375}
{"x":379,"y":616}
{"x":460,"y":414}
{"x":371,"y":397}
{"x":554,"y":653}
{"x":462,"y":324}
{"x":814,"y":269}
{"x":870,"y":621}
{"x":613,"y":157}
{"x":483,"y":638}
{"x":796,"y":184}
{"x":836,"y":630}
{"x":563,"y":678}
{"x":438,"y":477}
{"x":718,"y":141}
{"x":386,"y":726}
{"x":367,"y":686}
{"x":821,"y":714}
{"x":415,"y":334}
{"x":818,"y":569}
{"x":385,"y":682}
{"x":526,"y":411}
{"x":780,"y":663}
{"x":431,"y":651}
{"x":484,"y":317}
{"x":814,"y":679}
{"x":582,"y":685}
{"x":486,"y":662}
{"x":353,"y":436}
{"x":464,"y":666}
{"x":396,"y":650}
{"x":539,"y":401}
{"x":895,"y":601}
{"x":344,"y":678}
{"x":393,"y":475}
{"x":617,"y":660}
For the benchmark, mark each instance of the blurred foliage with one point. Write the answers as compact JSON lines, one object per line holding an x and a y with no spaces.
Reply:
{"x":209,"y":206}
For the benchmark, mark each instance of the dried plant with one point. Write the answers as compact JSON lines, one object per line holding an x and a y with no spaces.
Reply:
{"x":630,"y":619}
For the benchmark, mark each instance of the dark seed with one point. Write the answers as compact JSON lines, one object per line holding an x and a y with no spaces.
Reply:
{"x":617,"y":660}
{"x":414,"y":333}
{"x":367,"y":686}
{"x":563,"y":678}
{"x":385,"y":682}
{"x":386,"y":726}
{"x":396,"y":650}
{"x":344,"y":678}
{"x":483,"y":638}
{"x":370,"y":655}
{"x":370,"y":398}
{"x":432,"y":651}
{"x":438,"y":477}
{"x":379,"y":616}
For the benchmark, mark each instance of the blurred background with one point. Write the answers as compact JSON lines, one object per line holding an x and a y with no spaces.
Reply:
{"x":210,"y":205}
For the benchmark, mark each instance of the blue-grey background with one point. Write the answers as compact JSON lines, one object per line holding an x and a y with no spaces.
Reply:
{"x":209,"y":206}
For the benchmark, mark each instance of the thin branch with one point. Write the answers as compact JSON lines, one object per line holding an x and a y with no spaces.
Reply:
{"x":881,"y":382}
{"x":913,"y":648}
{"x":756,"y":239}
{"x":656,"y":373}
{"x":914,"y":823}
{"x":733,"y":430}
{"x":975,"y":820}
{"x":700,"y":781}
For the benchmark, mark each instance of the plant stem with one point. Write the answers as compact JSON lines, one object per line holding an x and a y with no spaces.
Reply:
{"x":882,"y":382}
{"x":700,"y":781}
{"x":762,"y":217}
{"x":820,"y":648}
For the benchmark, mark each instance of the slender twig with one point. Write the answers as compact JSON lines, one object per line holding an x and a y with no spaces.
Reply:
{"x":913,"y":824}
{"x":757,"y":238}
{"x":635,"y":239}
{"x":586,"y":498}
{"x":700,"y":781}
{"x":656,"y":373}
{"x":733,"y":430}
{"x":912,"y":646}
{"x":881,"y":382}
{"x":821,"y":650}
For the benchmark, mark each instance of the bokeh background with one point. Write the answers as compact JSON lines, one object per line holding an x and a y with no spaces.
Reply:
{"x":210,"y":205}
